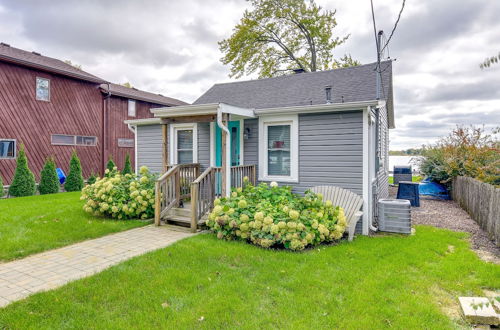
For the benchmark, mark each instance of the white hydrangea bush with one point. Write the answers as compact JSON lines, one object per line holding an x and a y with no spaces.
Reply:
{"x":121,"y":196}
{"x":272,"y":216}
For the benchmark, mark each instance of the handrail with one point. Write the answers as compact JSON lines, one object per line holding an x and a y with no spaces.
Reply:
{"x":207,"y":187}
{"x":173,"y":186}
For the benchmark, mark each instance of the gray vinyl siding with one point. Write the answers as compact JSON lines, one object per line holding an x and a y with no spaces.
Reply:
{"x":251,"y":145}
{"x":330,"y":150}
{"x":149,"y":147}
{"x":382,"y":182}
{"x":204,"y":145}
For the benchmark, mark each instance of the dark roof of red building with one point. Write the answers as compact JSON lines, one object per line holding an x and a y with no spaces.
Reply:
{"x":136,"y":94}
{"x":37,"y":61}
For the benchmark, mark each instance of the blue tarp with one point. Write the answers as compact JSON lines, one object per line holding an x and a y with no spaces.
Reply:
{"x":434,"y":189}
{"x":61,"y":175}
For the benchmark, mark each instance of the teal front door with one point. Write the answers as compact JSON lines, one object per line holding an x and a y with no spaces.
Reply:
{"x":234,"y":140}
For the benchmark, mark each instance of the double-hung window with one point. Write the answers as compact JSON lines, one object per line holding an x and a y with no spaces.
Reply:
{"x":7,"y":148}
{"x":184,"y":139}
{"x":278,"y":148}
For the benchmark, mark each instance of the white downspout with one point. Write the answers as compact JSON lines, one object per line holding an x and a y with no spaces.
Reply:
{"x":228,"y":151}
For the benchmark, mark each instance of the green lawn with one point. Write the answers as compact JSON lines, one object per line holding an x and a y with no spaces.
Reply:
{"x":372,"y":283}
{"x":414,"y":178}
{"x":38,"y":223}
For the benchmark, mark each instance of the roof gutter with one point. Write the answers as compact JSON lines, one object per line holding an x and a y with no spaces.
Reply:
{"x":332,"y":107}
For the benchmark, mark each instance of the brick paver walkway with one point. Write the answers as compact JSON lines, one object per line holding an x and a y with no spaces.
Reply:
{"x":51,"y":269}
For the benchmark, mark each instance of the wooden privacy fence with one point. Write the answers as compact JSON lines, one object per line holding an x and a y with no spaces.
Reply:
{"x":482,"y":202}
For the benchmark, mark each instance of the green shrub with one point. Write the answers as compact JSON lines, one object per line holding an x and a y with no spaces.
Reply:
{"x":467,"y":151}
{"x":111,"y":166}
{"x":74,"y":181}
{"x":121,"y":196}
{"x":127,"y":168}
{"x":23,"y":183}
{"x":49,"y":181}
{"x":1,"y":187}
{"x":273,"y":216}
{"x":92,"y":178}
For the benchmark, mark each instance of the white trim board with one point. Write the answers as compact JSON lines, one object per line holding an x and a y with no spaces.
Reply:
{"x":173,"y":128}
{"x":293,"y":121}
{"x":366,"y":183}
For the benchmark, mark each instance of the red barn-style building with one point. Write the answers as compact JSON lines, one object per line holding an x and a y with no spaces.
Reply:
{"x":53,"y":108}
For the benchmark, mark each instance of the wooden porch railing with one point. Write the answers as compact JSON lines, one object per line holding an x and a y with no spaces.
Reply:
{"x":172,"y":187}
{"x":207,"y":187}
{"x":239,"y":172}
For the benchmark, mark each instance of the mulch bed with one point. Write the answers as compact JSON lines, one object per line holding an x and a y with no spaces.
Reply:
{"x":447,"y":214}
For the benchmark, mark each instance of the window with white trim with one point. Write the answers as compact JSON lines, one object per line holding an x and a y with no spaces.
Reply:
{"x":7,"y":148}
{"x":42,"y":89}
{"x":131,"y":108}
{"x":184,"y":139}
{"x":278,"y":148}
{"x":73,"y":140}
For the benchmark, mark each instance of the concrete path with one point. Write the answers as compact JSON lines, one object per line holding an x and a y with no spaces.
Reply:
{"x":54,"y":268}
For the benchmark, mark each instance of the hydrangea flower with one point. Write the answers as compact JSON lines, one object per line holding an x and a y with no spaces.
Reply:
{"x":274,"y":184}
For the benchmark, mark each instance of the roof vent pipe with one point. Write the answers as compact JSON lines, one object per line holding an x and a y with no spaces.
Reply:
{"x":328,"y":91}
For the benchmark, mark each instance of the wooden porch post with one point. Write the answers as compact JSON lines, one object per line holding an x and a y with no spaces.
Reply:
{"x":224,"y":159}
{"x":164,"y":133}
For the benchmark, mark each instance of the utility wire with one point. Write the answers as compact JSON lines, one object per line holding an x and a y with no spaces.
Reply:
{"x":395,"y":24}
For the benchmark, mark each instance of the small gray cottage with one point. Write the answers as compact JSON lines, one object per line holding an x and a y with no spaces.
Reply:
{"x":303,"y":130}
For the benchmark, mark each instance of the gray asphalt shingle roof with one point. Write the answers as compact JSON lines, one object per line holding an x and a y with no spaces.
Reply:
{"x":351,"y":84}
{"x":136,"y":94}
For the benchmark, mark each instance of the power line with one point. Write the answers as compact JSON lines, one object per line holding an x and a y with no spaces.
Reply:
{"x":395,"y":24}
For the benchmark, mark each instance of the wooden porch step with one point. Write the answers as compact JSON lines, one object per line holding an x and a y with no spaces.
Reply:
{"x":181,"y":217}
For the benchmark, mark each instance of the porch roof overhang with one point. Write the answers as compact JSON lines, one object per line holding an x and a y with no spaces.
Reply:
{"x":142,"y":122}
{"x":203,"y":110}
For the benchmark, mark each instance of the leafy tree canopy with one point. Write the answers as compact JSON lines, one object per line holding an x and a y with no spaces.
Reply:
{"x":277,"y":36}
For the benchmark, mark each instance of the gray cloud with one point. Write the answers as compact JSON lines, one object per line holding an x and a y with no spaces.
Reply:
{"x":170,"y":47}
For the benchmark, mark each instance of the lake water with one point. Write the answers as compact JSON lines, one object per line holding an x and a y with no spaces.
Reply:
{"x":403,"y":160}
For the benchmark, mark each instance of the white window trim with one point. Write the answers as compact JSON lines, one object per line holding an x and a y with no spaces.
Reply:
{"x":264,"y":122}
{"x":15,"y":148}
{"x":130,"y":101}
{"x":36,"y":95}
{"x":173,"y":140}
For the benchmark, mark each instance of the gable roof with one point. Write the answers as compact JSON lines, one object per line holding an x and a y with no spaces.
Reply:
{"x":136,"y":94}
{"x":45,"y":63}
{"x":352,"y":84}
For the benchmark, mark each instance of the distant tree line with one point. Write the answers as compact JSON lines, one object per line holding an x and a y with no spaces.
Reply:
{"x":407,"y":152}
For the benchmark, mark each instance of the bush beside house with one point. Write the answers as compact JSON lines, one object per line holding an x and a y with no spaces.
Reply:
{"x":121,"y":196}
{"x":23,"y":183}
{"x":49,"y":181}
{"x":74,"y":181}
{"x":273,"y":216}
{"x":127,"y":167}
{"x":110,"y":165}
{"x":1,"y":187}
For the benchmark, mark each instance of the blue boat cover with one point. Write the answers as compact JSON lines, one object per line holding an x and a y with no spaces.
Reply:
{"x":61,"y":175}
{"x":434,"y":189}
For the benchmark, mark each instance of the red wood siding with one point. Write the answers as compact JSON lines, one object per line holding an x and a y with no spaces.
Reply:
{"x":118,"y":112}
{"x":75,"y":108}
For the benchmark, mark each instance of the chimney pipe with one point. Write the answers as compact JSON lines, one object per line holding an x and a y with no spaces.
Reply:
{"x":328,"y":91}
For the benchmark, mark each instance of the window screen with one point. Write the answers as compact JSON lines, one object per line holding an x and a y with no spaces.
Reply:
{"x":63,"y":139}
{"x":184,"y":146}
{"x":278,"y":150}
{"x":86,"y":140}
{"x":42,"y":89}
{"x":7,"y":148}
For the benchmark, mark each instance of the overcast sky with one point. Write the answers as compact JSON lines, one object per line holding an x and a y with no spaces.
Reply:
{"x":170,"y":47}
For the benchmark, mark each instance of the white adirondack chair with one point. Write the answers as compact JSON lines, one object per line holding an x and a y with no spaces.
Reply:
{"x":349,"y":201}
